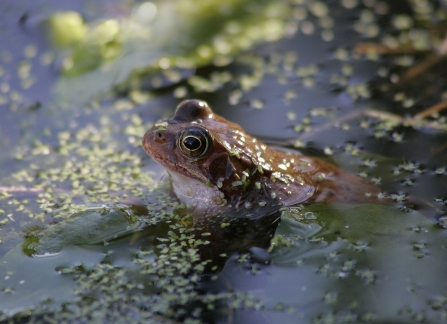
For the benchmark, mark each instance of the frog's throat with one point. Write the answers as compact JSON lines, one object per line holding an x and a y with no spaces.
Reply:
{"x":204,"y":200}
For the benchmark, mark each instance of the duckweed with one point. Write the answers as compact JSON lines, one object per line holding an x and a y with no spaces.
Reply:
{"x":90,"y":158}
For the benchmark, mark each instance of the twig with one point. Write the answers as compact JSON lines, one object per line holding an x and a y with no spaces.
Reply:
{"x":25,"y":190}
{"x":21,"y":189}
{"x":365,"y":48}
{"x":384,"y":115}
{"x":430,"y":111}
{"x":421,"y":67}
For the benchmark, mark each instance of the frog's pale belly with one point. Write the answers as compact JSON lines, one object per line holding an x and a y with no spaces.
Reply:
{"x":215,"y":165}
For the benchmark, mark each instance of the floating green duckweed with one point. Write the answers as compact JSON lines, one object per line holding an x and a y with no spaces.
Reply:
{"x":157,"y":272}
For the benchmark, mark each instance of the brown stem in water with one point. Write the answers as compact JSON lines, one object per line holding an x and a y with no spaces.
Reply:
{"x":383,"y":115}
{"x":423,"y":66}
{"x":430,"y":111}
{"x":370,"y":47}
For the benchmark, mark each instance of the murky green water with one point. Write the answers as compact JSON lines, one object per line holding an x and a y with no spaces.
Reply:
{"x":89,"y":231}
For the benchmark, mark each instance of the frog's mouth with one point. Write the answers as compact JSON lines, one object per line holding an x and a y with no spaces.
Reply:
{"x":172,"y":167}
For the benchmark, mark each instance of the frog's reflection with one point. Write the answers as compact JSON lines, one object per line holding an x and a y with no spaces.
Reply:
{"x":215,"y":238}
{"x":228,"y":235}
{"x":112,"y":228}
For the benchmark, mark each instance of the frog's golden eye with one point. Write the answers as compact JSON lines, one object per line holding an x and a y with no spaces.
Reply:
{"x":194,"y":142}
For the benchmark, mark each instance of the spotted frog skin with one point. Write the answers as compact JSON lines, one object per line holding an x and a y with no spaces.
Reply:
{"x":214,"y":165}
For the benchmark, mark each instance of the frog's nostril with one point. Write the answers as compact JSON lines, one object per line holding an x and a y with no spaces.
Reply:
{"x":159,"y":136}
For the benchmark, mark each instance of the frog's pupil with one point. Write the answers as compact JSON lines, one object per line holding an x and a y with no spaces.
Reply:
{"x":192,"y":143}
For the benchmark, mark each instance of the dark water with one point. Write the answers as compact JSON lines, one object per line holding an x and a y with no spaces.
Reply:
{"x":350,"y":264}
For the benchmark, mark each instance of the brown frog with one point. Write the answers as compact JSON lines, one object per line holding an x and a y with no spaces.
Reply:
{"x":214,"y":166}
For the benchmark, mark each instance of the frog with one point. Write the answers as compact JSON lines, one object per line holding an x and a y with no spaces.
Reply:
{"x":215,"y":166}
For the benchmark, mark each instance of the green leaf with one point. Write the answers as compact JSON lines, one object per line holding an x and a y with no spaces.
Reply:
{"x":90,"y":227}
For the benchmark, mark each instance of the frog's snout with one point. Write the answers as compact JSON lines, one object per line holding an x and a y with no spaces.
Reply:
{"x":153,"y":137}
{"x":159,"y":137}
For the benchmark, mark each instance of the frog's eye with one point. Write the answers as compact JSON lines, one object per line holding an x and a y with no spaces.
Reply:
{"x":194,"y":142}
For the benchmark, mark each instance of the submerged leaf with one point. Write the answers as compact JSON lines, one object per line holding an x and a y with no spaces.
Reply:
{"x":93,"y":226}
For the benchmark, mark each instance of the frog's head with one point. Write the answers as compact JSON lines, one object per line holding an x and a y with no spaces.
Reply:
{"x":208,"y":157}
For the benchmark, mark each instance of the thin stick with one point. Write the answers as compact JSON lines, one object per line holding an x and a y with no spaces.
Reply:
{"x":421,"y":67}
{"x":383,"y":115}
{"x":365,"y":48}
{"x":20,"y":189}
{"x":430,"y":111}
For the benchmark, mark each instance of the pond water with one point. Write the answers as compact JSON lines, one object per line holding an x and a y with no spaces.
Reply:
{"x":89,"y":228}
